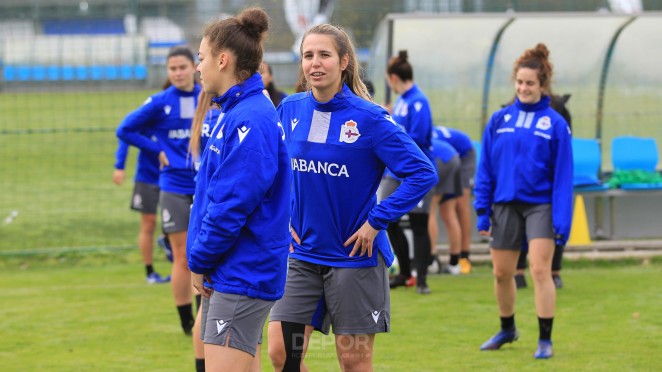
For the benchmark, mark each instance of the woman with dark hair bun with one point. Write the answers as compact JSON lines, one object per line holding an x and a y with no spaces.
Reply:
{"x":412,"y":112}
{"x":239,"y":231}
{"x":524,"y":189}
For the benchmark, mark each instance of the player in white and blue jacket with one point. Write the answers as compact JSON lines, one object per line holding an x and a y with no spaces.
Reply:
{"x":524,"y":185}
{"x":340,"y":143}
{"x":344,"y":155}
{"x":167,"y":115}
{"x":527,"y":158}
{"x":239,"y":234}
{"x":412,"y":112}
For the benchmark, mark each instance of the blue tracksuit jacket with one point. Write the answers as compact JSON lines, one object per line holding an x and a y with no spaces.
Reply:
{"x":459,"y":140}
{"x":147,"y":168}
{"x":168,"y":115}
{"x":239,"y":227}
{"x":527,"y":158}
{"x":443,"y":150}
{"x":339,"y":151}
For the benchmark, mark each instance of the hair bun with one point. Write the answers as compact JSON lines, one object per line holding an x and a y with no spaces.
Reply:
{"x":255,"y":21}
{"x":540,"y":51}
{"x":402,"y":55}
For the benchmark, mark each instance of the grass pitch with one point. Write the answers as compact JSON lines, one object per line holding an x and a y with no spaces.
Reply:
{"x":95,"y":312}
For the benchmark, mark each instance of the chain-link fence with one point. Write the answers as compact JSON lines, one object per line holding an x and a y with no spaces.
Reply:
{"x":71,"y":70}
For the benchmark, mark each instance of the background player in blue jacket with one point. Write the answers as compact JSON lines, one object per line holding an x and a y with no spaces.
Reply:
{"x":445,"y":197}
{"x":412,"y":112}
{"x":167,"y":115}
{"x":459,"y":261}
{"x":558,"y":103}
{"x":340,"y":143}
{"x":239,"y":232}
{"x":144,"y":199}
{"x":524,"y":185}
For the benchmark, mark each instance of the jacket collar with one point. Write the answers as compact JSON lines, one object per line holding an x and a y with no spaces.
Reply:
{"x":238,"y":92}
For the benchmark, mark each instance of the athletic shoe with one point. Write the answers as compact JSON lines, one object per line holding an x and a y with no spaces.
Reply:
{"x":501,"y":338}
{"x":544,"y":350}
{"x":558,"y":283}
{"x":399,"y":280}
{"x":435,"y":266}
{"x":465,"y":266}
{"x":164,"y":243}
{"x":155,"y":278}
{"x":424,"y":290}
{"x":520,"y":281}
{"x":452,"y":269}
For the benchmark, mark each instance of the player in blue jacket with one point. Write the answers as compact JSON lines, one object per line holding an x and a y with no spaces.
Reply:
{"x":239,"y":232}
{"x":445,"y":197}
{"x":340,"y":143}
{"x":144,"y":199}
{"x":412,"y":112}
{"x":524,"y":188}
{"x":167,"y":115}
{"x":459,"y":260}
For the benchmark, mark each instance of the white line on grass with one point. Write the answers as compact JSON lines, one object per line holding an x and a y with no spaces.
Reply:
{"x":9,"y":219}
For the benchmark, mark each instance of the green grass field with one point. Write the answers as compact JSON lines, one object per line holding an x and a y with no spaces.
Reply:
{"x":57,"y":152}
{"x":95,"y":313}
{"x":58,"y":177}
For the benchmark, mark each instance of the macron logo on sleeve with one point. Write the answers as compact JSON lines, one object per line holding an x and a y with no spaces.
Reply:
{"x":243,"y":132}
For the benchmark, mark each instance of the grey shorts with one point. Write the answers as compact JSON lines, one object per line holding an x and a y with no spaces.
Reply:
{"x":512,"y":222}
{"x":388,"y":187}
{"x":175,"y":211}
{"x":235,"y":319}
{"x":468,"y":169}
{"x":352,"y":300}
{"x":450,"y":179}
{"x":145,"y":197}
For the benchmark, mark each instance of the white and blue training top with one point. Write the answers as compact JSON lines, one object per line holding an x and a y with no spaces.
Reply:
{"x":168,"y":116}
{"x":339,"y":151}
{"x":527,"y":158}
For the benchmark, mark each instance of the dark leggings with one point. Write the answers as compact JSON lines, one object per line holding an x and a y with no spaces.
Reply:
{"x":556,"y":260}
{"x":400,"y":247}
{"x":419,"y":228}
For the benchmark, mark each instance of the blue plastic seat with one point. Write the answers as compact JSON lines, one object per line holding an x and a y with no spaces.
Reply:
{"x":477,"y":148}
{"x":24,"y":72}
{"x":126,"y":72}
{"x":96,"y":72}
{"x":67,"y":73}
{"x":10,"y":73}
{"x":111,"y":72}
{"x":586,"y":158}
{"x":140,"y":72}
{"x":53,"y":73}
{"x":82,"y":73}
{"x":38,"y":73}
{"x":635,"y":153}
